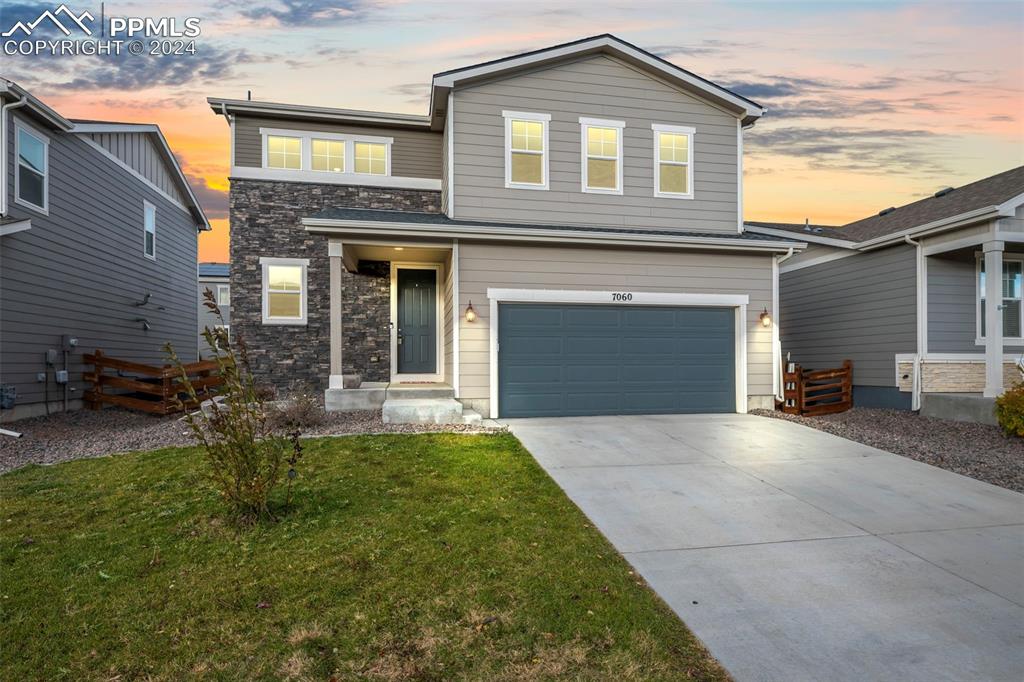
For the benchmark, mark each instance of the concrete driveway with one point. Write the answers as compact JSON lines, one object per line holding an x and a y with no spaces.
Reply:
{"x":797,"y":555}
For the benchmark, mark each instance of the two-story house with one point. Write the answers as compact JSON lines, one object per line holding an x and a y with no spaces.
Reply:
{"x":561,"y":234}
{"x":98,"y":241}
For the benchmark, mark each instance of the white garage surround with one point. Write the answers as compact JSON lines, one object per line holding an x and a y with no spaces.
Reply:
{"x":738,"y":302}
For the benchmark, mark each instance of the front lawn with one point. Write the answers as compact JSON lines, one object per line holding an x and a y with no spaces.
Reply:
{"x":404,"y":557}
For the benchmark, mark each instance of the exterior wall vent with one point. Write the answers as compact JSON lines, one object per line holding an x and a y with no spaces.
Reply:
{"x":887,"y":211}
{"x":943,"y":192}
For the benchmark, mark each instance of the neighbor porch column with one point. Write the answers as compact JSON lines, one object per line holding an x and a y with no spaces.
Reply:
{"x":993,"y":318}
{"x":334,"y":251}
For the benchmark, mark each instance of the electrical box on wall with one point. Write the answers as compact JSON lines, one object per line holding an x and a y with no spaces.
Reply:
{"x":61,"y":376}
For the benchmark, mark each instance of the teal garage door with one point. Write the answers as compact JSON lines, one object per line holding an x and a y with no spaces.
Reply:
{"x":575,"y":360}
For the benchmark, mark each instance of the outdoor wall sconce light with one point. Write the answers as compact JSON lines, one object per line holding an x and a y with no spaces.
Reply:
{"x":470,"y":313}
{"x":766,"y":319}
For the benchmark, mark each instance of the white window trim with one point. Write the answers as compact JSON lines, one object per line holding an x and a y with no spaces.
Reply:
{"x":146,"y":206}
{"x":265,"y":263}
{"x":638,"y":298}
{"x":545,"y":121}
{"x":19,"y":127}
{"x":226,"y":288}
{"x":306,"y":158}
{"x":689,"y":131}
{"x":979,"y":340}
{"x":585,"y":124}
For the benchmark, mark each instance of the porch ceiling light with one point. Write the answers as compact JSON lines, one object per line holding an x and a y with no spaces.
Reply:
{"x":766,"y":319}
{"x":470,"y":313}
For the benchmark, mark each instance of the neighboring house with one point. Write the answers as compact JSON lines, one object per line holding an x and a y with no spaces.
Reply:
{"x":216,"y":278}
{"x":98,"y":242}
{"x":904,"y":294}
{"x":561,"y":234}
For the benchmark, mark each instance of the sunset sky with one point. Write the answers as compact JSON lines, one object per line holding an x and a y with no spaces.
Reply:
{"x":869,"y":104}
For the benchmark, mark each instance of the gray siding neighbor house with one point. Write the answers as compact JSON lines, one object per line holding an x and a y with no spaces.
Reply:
{"x":216,"y":278}
{"x":561,"y":234}
{"x":904,"y":294}
{"x":98,"y":242}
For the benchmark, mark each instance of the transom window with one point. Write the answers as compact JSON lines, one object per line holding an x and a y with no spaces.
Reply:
{"x":1013,"y":273}
{"x":526,"y":142}
{"x":284,"y":290}
{"x":284,"y":152}
{"x":371,"y":157}
{"x":32,"y":179}
{"x":149,"y":230}
{"x":328,"y":155}
{"x":602,"y":155}
{"x":673,"y":161}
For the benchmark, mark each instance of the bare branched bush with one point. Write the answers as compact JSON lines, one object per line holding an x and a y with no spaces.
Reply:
{"x":301,"y":409}
{"x":247,"y":457}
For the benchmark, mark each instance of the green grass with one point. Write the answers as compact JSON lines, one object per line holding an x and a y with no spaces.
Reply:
{"x":403,"y":557}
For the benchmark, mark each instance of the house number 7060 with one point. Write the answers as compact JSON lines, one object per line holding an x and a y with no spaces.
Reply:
{"x":621,"y":296}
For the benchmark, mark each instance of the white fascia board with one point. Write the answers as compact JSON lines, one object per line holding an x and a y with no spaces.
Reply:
{"x":222,"y":106}
{"x":17,"y":226}
{"x":86,"y":128}
{"x":949,"y":223}
{"x":1008,"y":209}
{"x":637,"y":297}
{"x":809,"y":236}
{"x":539,"y":234}
{"x":450,"y":80}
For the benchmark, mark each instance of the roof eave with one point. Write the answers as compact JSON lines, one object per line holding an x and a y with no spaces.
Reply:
{"x":36,"y":105}
{"x":297,"y":111}
{"x":534,"y":234}
{"x":812,"y":238}
{"x":942,"y":225}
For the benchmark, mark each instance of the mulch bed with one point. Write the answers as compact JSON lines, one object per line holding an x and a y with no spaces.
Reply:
{"x":86,"y":433}
{"x":976,"y":450}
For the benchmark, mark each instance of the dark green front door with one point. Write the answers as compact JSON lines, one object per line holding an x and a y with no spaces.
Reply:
{"x":417,"y":321}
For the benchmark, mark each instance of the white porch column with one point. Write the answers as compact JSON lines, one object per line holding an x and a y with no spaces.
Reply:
{"x":334,"y":251}
{"x":993,"y":318}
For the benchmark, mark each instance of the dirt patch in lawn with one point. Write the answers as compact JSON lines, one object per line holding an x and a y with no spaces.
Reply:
{"x":976,"y":450}
{"x":87,"y":433}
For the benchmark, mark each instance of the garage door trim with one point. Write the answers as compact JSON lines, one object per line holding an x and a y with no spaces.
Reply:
{"x":623,"y":297}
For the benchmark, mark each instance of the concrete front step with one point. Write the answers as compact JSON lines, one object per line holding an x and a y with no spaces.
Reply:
{"x":422,"y":411}
{"x":413,"y":391}
{"x":471,"y":417}
{"x":369,"y":396}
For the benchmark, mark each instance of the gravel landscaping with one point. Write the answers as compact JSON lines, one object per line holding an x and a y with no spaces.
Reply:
{"x":976,"y":450}
{"x":87,"y":433}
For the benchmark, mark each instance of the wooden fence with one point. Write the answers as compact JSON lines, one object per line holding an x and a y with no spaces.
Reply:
{"x":147,"y":388}
{"x":825,"y":391}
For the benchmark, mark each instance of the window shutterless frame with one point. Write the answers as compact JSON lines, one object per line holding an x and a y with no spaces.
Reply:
{"x":20,"y":129}
{"x":223,"y":294}
{"x":306,"y":138}
{"x":148,"y":230}
{"x":544,"y":120}
{"x":265,"y":265}
{"x":603,"y":154}
{"x":979,"y":298}
{"x":690,"y":133}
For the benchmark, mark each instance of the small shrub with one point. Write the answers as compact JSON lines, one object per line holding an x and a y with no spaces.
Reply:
{"x":1010,"y":411}
{"x":247,"y":457}
{"x":300,"y":410}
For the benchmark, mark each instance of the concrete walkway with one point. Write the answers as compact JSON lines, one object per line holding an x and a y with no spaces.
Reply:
{"x":797,"y":555}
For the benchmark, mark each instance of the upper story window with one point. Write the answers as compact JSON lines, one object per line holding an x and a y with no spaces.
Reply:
{"x":328,"y":155}
{"x":340,"y":153}
{"x":1013,"y":272}
{"x":284,"y":152}
{"x":526,"y":150}
{"x":149,"y":230}
{"x":33,"y":177}
{"x":673,"y":161}
{"x":602,"y":155}
{"x":371,"y":157}
{"x":223,"y":294}
{"x":284,"y":290}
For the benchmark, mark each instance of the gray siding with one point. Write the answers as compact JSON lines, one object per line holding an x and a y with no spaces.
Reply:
{"x":953,"y":305}
{"x":863,"y":307}
{"x":80,"y":269}
{"x":414,"y":154}
{"x":139,"y":152}
{"x":599,"y":87}
{"x":206,"y":316}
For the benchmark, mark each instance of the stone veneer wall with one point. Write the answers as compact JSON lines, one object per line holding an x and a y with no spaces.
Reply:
{"x":952,"y":376}
{"x":266,"y":221}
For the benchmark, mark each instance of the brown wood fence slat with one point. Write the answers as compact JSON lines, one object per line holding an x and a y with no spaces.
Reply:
{"x":811,"y":393}
{"x":157,"y":390}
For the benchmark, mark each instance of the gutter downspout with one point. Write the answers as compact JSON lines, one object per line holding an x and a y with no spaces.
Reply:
{"x":22,"y":101}
{"x":915,"y":398}
{"x":776,"y":335}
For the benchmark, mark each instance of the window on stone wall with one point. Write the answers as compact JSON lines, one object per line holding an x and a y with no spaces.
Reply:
{"x":284,"y":290}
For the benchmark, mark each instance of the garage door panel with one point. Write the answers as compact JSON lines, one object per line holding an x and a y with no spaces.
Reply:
{"x":569,"y":359}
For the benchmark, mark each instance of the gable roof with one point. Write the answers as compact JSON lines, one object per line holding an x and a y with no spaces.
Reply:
{"x":986,"y":193}
{"x":745,"y":109}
